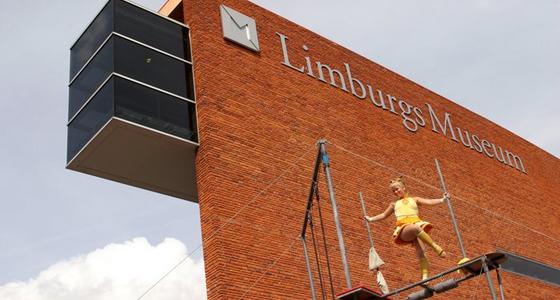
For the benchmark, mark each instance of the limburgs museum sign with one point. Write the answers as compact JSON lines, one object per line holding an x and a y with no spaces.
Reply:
{"x":413,"y":117}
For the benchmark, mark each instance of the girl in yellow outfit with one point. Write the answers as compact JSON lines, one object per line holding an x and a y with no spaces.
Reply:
{"x":410,"y":229}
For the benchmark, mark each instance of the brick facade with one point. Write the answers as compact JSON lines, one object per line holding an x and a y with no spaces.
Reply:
{"x":259,"y":121}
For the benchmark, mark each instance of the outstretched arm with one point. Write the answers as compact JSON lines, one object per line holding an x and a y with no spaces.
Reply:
{"x":382,"y":215}
{"x":431,"y":201}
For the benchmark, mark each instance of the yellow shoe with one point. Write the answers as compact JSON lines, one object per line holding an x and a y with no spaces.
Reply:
{"x":439,"y":250}
{"x":462,"y":261}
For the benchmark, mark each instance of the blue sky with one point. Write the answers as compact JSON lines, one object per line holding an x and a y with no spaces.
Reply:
{"x":496,"y":58}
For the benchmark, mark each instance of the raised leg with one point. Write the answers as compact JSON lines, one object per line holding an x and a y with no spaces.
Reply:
{"x":424,"y":237}
{"x":411,"y":232}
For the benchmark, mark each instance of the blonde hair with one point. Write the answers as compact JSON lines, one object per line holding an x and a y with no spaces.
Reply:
{"x":397,"y":182}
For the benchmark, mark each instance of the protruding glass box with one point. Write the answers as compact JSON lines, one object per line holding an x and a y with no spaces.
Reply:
{"x":132,"y":112}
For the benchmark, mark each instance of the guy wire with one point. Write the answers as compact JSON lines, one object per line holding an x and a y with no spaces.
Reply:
{"x":273,"y":182}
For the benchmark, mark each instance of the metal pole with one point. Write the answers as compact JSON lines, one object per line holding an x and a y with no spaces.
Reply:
{"x":365,"y":214}
{"x":315,"y":248}
{"x":455,"y":226}
{"x":381,"y":283}
{"x":324,"y":242}
{"x":488,"y":278}
{"x":408,"y":287}
{"x":325,"y":159}
{"x":500,"y":283}
{"x":308,"y":264}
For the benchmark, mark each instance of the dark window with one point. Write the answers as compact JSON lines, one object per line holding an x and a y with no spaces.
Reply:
{"x":88,"y":122}
{"x":136,"y":103}
{"x":154,"y":109}
{"x":134,"y":22}
{"x":135,"y":61}
{"x":90,"y":78}
{"x":91,"y":39}
{"x":527,"y":267}
{"x":151,"y":29}
{"x":151,"y":67}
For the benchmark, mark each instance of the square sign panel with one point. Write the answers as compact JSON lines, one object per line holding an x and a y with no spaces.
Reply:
{"x":239,"y":28}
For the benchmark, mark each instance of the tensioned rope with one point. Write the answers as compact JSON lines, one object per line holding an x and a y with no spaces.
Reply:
{"x":454,"y":197}
{"x":273,"y":182}
{"x":213,"y":234}
{"x":310,"y":220}
{"x":263,"y":273}
{"x":270,"y":267}
{"x":474,"y":292}
{"x":314,"y":240}
{"x":317,"y":199}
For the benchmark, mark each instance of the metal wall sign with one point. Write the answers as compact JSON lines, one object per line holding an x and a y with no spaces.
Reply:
{"x":239,"y":28}
{"x":413,"y":117}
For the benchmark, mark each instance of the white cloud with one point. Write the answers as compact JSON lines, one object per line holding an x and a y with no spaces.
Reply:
{"x":118,"y":271}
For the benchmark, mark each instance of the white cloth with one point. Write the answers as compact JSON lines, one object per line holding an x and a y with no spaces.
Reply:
{"x":374,"y":260}
{"x":382,"y":283}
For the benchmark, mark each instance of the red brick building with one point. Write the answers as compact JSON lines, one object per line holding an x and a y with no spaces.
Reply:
{"x":260,"y":115}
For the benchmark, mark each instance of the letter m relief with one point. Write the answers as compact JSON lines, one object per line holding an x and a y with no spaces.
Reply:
{"x":442,"y":127}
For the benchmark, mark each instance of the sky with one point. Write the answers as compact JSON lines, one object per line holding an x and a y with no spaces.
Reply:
{"x":67,"y":235}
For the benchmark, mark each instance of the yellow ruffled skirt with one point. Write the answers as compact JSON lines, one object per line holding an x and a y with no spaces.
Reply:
{"x":402,"y":223}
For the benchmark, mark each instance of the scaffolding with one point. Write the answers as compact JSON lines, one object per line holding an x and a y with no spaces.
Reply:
{"x":469,"y":269}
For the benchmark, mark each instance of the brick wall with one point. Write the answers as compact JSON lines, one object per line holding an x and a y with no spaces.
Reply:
{"x":259,"y":121}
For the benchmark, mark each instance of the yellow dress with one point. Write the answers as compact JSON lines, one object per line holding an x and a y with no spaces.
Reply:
{"x":406,"y":211}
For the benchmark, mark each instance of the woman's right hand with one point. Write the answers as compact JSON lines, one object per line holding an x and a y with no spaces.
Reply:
{"x":369,"y":219}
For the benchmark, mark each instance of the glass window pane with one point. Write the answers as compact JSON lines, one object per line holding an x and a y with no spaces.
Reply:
{"x":88,"y":122}
{"x":90,"y":78}
{"x":153,"y":68}
{"x":151,"y":29}
{"x":91,"y":39}
{"x":148,"y":107}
